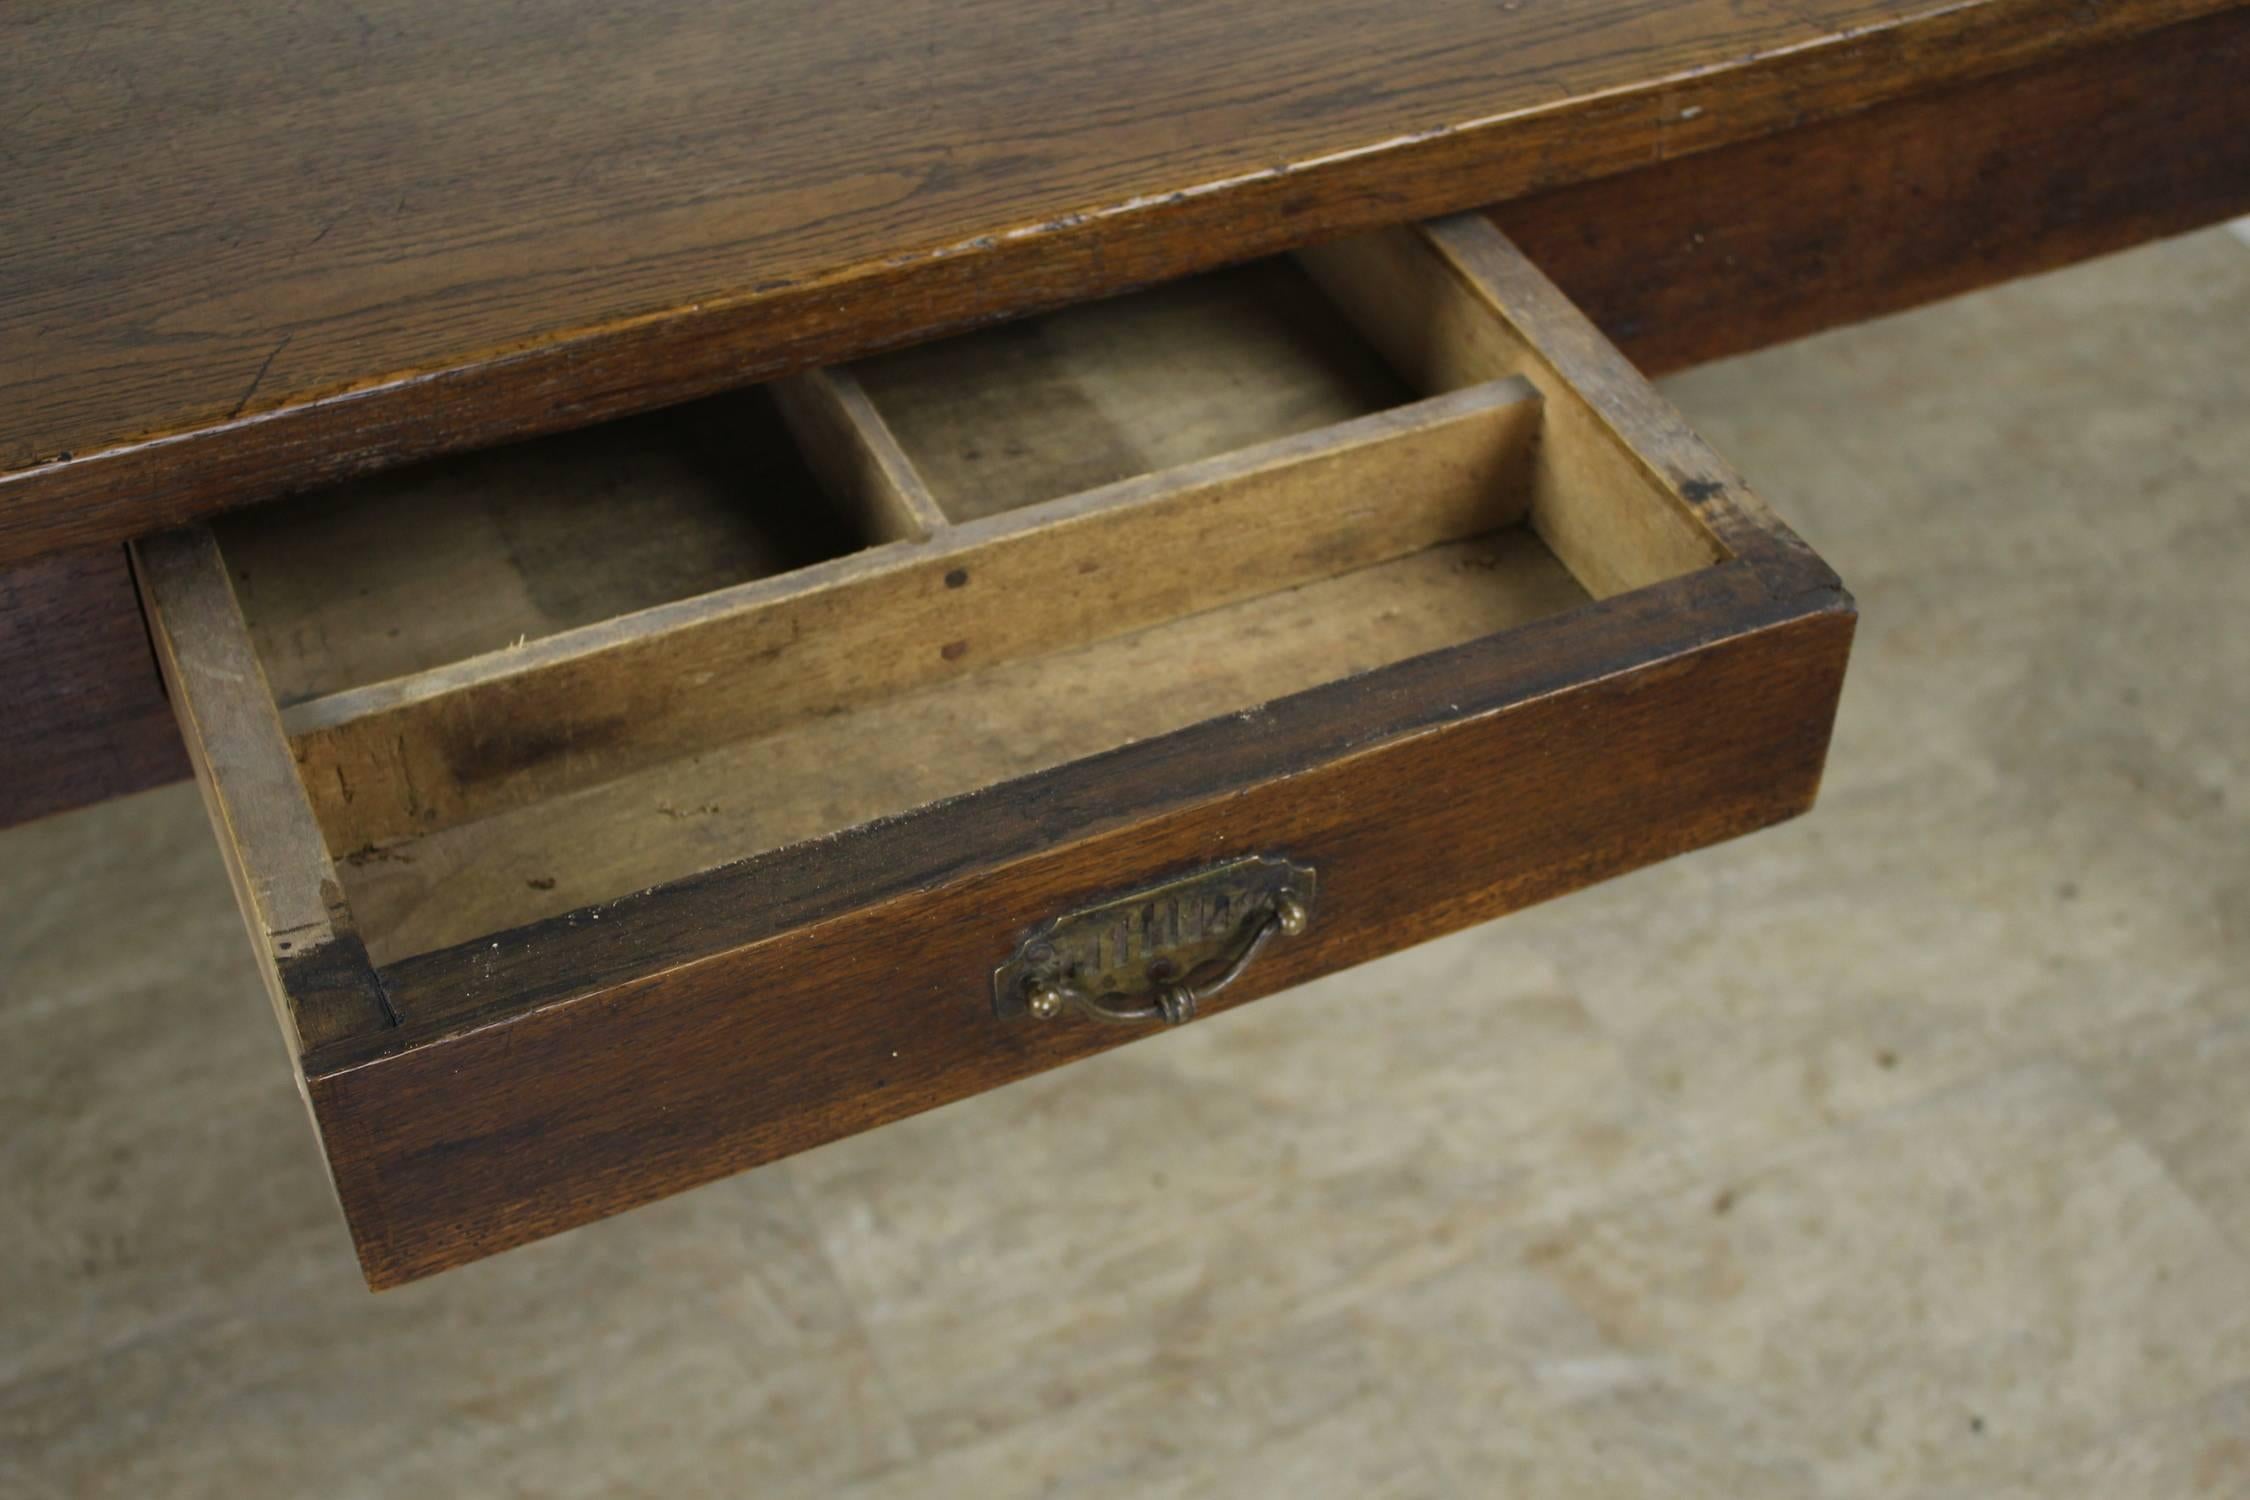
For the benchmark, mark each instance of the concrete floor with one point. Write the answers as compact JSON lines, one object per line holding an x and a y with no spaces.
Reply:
{"x":1901,"y":1151}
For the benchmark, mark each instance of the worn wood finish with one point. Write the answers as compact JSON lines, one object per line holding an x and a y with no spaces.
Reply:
{"x":315,"y":966}
{"x":405,"y":227}
{"x":512,"y":729}
{"x":826,"y":773}
{"x":1775,"y":238}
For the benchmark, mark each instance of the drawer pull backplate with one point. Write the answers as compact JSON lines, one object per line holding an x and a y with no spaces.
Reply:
{"x":1158,"y":953}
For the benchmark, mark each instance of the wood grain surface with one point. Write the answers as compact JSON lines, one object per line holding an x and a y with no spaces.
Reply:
{"x":904,"y":751}
{"x":251,"y":250}
{"x":1772,"y":239}
{"x":563,"y":1112}
{"x":315,"y":967}
{"x":1683,"y":260}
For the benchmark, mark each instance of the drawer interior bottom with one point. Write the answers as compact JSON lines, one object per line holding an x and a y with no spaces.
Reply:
{"x":436,"y":563}
{"x":890,"y":756}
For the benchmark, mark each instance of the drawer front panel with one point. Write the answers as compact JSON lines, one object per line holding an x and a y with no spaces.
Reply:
{"x":532,"y":1125}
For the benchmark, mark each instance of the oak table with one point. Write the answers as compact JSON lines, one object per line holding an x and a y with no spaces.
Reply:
{"x":249,"y":258}
{"x":242,"y":253}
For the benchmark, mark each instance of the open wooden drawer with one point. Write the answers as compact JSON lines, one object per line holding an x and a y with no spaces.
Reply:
{"x":625,"y":809}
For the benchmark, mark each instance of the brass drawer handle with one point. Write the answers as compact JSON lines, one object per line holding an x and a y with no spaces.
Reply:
{"x":1158,"y":952}
{"x":1174,"y":1002}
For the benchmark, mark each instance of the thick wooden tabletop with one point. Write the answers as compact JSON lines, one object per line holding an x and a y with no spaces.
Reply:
{"x":247,"y":249}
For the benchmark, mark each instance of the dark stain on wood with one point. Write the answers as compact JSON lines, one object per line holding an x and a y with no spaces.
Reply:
{"x":496,"y":751}
{"x":330,"y":984}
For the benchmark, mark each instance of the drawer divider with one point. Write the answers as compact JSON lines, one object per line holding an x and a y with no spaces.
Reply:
{"x":848,"y":444}
{"x":401,"y":758}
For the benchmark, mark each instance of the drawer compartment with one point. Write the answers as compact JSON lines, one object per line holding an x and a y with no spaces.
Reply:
{"x":629,"y":808}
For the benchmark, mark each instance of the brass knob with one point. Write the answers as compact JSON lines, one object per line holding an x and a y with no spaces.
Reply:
{"x":1289,"y":915}
{"x":1046,"y":1001}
